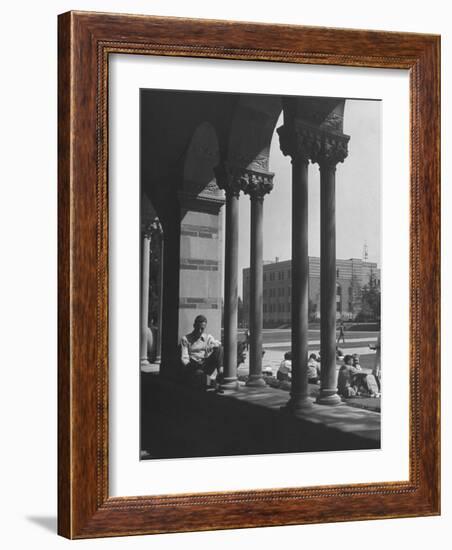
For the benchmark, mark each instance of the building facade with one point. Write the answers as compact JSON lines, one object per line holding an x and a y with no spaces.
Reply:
{"x":351,"y":276}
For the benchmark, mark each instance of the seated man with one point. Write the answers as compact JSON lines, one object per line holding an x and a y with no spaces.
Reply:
{"x":201,"y":354}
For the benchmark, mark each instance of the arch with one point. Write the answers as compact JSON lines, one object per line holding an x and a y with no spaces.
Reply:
{"x":201,"y":157}
{"x":252,"y":129}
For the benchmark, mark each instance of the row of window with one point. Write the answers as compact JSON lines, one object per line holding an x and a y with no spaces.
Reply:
{"x":282,"y":275}
{"x":280,"y":308}
{"x":273,"y":292}
{"x":286,"y":274}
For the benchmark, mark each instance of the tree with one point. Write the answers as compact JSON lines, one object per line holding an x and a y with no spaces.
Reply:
{"x":312,"y":310}
{"x":240,"y":312}
{"x":370,"y":301}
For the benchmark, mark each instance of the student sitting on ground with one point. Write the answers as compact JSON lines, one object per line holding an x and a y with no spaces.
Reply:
{"x":345,"y":382}
{"x":366,"y":385}
{"x":285,"y":368}
{"x":356,"y":362}
{"x":313,"y":369}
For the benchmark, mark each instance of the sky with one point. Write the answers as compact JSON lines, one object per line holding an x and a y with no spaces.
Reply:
{"x":358,"y":191}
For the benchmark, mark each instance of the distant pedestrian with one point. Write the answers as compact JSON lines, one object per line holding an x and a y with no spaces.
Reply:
{"x":341,"y":332}
{"x":247,"y":339}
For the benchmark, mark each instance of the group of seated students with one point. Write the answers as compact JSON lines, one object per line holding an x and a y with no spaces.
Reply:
{"x":202,"y":355}
{"x":284,"y":372}
{"x":352,"y":381}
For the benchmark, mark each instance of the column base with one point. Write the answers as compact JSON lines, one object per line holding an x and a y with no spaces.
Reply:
{"x":297,"y":405}
{"x":329,"y":397}
{"x":256,"y":381}
{"x":229,"y":385}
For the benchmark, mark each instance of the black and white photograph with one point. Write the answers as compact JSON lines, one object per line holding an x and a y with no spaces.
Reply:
{"x":260,"y":274}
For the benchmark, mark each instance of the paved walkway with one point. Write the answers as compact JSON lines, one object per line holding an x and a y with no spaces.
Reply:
{"x":180,"y":421}
{"x":360,"y":422}
{"x":317,"y":343}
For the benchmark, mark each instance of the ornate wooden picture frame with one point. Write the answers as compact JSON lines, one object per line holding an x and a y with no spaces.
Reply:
{"x":86,"y":40}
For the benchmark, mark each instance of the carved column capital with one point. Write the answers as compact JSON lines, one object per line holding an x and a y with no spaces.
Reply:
{"x":234,"y":179}
{"x":332,"y":149}
{"x":152,"y":229}
{"x":305,"y":141}
{"x":257,"y":184}
{"x":227,"y":178}
{"x":297,"y":141}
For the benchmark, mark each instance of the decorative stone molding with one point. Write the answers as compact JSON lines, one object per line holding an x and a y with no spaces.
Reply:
{"x":305,"y":141}
{"x":333,"y":122}
{"x":212,"y":189}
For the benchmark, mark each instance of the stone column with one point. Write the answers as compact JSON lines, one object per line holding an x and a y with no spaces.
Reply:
{"x":145,"y":265}
{"x":231,"y":184}
{"x":158,"y":344}
{"x":296,"y":142}
{"x":151,"y":232}
{"x":333,"y":150}
{"x":256,"y":185}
